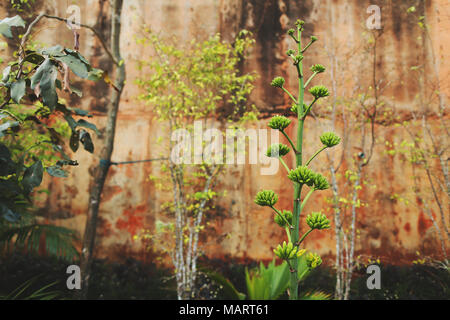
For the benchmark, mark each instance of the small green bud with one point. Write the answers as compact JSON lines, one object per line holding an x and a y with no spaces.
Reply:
{"x":320,"y":183}
{"x":290,"y":52}
{"x":277,"y":151}
{"x":313,"y":260}
{"x":299,"y":23}
{"x":330,"y":139}
{"x":278,"y":82}
{"x":319,"y":92}
{"x":266,"y":198}
{"x":298,"y":59}
{"x":317,"y":220}
{"x":291,"y":32}
{"x":279,"y":123}
{"x":318,"y":68}
{"x":313,"y":39}
{"x":282,"y":222}
{"x":302,"y":175}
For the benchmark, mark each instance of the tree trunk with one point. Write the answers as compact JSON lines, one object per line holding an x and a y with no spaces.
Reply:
{"x":102,"y":169}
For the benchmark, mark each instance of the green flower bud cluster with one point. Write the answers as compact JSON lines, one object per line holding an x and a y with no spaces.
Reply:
{"x":279,"y":123}
{"x":318,"y":68}
{"x":266,"y":198}
{"x":291,"y":32}
{"x":330,"y":139}
{"x":319,"y":92}
{"x":317,"y":220}
{"x":278,"y":82}
{"x":282,"y":222}
{"x":313,"y":39}
{"x":304,"y":175}
{"x":320,"y":183}
{"x":313,"y":260}
{"x":290,"y":52}
{"x":295,"y":110}
{"x":288,"y":251}
{"x":277,"y":150}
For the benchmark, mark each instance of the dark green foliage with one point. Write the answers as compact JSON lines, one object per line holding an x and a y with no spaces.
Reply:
{"x":127,"y":280}
{"x":44,"y":293}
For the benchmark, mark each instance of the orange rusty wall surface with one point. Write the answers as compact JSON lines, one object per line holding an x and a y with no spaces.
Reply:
{"x":388,"y":228}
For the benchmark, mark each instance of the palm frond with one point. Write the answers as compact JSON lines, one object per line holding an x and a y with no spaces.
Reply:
{"x":317,"y":295}
{"x":53,"y":240}
{"x":40,"y":294}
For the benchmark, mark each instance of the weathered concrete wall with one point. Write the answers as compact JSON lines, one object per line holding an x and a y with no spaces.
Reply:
{"x":388,"y":229}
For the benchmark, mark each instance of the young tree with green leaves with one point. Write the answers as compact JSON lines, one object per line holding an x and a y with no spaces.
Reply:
{"x":302,"y":176}
{"x":197,"y":82}
{"x":32,"y":133}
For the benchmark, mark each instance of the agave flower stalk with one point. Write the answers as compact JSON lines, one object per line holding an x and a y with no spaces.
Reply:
{"x":301,"y":176}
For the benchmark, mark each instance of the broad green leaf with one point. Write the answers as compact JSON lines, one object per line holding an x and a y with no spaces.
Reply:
{"x":32,"y":177}
{"x":6,"y":72}
{"x":34,"y":57}
{"x":75,"y":64}
{"x":75,"y":141}
{"x":56,"y":51}
{"x":86,"y":140}
{"x":18,"y":90}
{"x":45,"y":76}
{"x":56,"y":171}
{"x":78,"y":56}
{"x":88,"y":125}
{"x":7,"y":23}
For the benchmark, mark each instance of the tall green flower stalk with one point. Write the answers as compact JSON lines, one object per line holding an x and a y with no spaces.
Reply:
{"x":302,"y":176}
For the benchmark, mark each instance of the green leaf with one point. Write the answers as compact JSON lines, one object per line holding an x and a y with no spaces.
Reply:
{"x":7,"y":23}
{"x":82,"y":113}
{"x":77,"y":91}
{"x":34,"y":58}
{"x":57,"y":172}
{"x":317,"y":295}
{"x":5,"y":75}
{"x":78,"y":56}
{"x":228,"y":288}
{"x":75,"y":64}
{"x":45,"y":76}
{"x":75,"y":141}
{"x":88,"y":125}
{"x":56,"y":51}
{"x":71,"y":121}
{"x":5,"y":126}
{"x":7,"y":214}
{"x":32,"y":177}
{"x":18,"y":90}
{"x":7,"y":166}
{"x":96,"y":74}
{"x":86,"y":140}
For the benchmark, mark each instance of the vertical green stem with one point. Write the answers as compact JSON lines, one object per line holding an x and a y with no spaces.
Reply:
{"x":293,"y":288}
